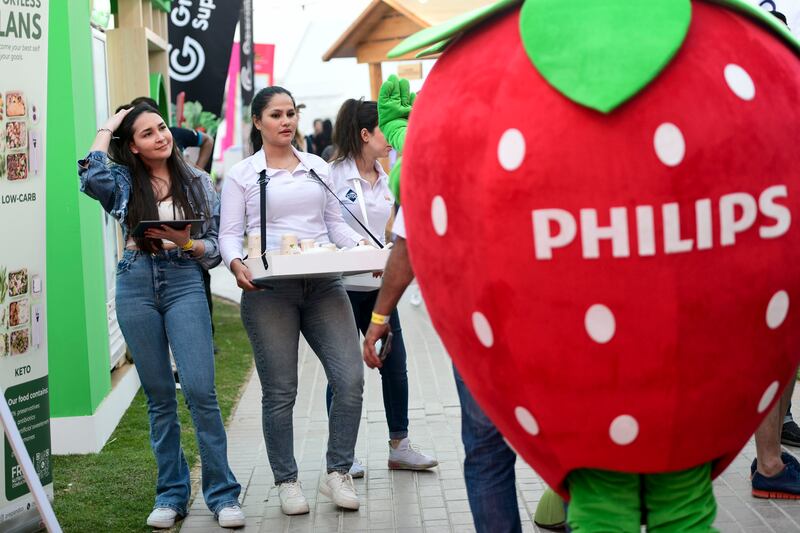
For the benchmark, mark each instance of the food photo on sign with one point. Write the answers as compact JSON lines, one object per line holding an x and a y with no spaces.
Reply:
{"x":20,"y":142}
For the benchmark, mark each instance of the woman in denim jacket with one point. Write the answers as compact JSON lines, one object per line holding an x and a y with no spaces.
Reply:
{"x":161,"y":301}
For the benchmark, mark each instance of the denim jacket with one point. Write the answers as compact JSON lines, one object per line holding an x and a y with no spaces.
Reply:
{"x":110,"y":184}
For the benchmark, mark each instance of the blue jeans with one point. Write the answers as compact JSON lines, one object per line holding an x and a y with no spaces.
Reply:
{"x":488,"y":469}
{"x":161,"y":303}
{"x":394,"y":375}
{"x":274,"y":318}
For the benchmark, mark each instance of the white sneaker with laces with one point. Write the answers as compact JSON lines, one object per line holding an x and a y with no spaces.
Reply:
{"x":406,"y":456}
{"x":231,"y":516}
{"x":292,"y":500}
{"x":339,"y":488}
{"x":162,"y":518}
{"x":357,"y":470}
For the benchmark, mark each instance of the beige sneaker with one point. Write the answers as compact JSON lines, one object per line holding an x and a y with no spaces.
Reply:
{"x":408,"y":457}
{"x":292,"y":500}
{"x":339,"y":488}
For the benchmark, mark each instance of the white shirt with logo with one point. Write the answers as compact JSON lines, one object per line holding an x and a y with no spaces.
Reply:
{"x":297,"y":204}
{"x":371,"y":204}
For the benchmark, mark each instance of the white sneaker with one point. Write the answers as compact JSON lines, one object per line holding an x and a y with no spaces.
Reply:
{"x":339,"y":488}
{"x":292,"y":500}
{"x":357,"y":470}
{"x":162,"y":518}
{"x":231,"y":516}
{"x":408,"y":457}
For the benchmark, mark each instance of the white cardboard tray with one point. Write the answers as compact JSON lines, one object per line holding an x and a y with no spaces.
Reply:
{"x":323,"y":264}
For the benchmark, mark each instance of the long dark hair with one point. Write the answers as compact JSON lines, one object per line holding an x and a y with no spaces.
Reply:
{"x":142,"y":202}
{"x":260,"y":101}
{"x":354,"y":115}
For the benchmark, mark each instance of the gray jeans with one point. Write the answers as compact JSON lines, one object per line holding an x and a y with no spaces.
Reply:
{"x":274,"y":318}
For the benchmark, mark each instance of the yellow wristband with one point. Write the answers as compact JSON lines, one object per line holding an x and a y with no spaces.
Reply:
{"x":379,"y":319}
{"x":188,"y":246}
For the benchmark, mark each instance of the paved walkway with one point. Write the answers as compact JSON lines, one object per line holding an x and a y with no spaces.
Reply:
{"x":433,"y":501}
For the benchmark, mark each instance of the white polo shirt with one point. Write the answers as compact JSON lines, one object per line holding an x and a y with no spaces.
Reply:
{"x":296,"y":203}
{"x":399,"y":226}
{"x":371,"y":204}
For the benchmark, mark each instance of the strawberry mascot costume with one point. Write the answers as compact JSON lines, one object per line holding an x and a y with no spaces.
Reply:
{"x":599,"y":202}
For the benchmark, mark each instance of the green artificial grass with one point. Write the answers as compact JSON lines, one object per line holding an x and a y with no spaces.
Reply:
{"x":114,"y":490}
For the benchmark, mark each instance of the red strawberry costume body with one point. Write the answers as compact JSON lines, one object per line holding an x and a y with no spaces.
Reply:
{"x":608,"y":244}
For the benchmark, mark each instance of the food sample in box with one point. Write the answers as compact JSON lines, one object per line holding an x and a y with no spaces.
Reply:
{"x":19,"y":341}
{"x":15,"y":104}
{"x":18,"y":282}
{"x":19,"y":313}
{"x":3,"y":344}
{"x":17,"y":166}
{"x":16,"y":134}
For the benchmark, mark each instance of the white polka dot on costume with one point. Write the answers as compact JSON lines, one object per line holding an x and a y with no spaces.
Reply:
{"x":768,"y":396}
{"x":624,"y":430}
{"x":511,"y":149}
{"x":777,"y":309}
{"x":483,"y":329}
{"x":439,"y":215}
{"x":669,"y":144}
{"x":600,"y":324}
{"x":740,"y":82}
{"x":526,"y":420}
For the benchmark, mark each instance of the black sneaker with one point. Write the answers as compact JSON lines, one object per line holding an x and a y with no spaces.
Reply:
{"x":786,"y":457}
{"x":790,"y":434}
{"x":784,"y":486}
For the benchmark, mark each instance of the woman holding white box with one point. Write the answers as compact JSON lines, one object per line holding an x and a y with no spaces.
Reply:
{"x":363,"y":186}
{"x":299,"y":205}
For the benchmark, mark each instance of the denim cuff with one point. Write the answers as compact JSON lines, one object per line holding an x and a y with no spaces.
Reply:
{"x":177,"y":508}
{"x":225,"y":504}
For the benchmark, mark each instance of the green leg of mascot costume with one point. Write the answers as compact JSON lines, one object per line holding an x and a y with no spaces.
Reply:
{"x":613,"y":501}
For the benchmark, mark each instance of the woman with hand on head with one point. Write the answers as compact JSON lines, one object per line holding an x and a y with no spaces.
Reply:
{"x":161,"y":302}
{"x":298,"y":204}
{"x":363,"y":186}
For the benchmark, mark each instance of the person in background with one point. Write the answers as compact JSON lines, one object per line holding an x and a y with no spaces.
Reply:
{"x":363,"y":186}
{"x":275,"y":316}
{"x":299,"y":141}
{"x":160,"y":302}
{"x":311,"y":139}
{"x":328,"y":153}
{"x":322,"y":139}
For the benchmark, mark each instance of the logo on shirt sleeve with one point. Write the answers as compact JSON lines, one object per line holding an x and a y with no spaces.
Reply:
{"x":351,"y":195}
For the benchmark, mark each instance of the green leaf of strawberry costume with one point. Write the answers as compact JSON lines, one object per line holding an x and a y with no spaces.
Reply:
{"x":601,"y":54}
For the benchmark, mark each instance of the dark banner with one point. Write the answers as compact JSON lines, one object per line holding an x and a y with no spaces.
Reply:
{"x":200,"y":42}
{"x":246,"y":52}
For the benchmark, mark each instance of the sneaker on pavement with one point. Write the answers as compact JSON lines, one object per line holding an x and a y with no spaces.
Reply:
{"x":408,"y":457}
{"x":786,"y":457}
{"x":784,"y":486}
{"x":292,"y":500}
{"x":231,"y":516}
{"x":357,"y":470}
{"x":162,"y":518}
{"x":790,"y":434}
{"x":339,"y":488}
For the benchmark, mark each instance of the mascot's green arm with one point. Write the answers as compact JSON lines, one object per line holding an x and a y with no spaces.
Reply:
{"x":394,"y":107}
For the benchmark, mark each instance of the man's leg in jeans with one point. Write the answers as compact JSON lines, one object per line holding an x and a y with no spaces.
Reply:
{"x":488,"y":469}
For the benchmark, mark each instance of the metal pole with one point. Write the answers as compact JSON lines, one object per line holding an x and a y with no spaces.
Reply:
{"x":31,"y":477}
